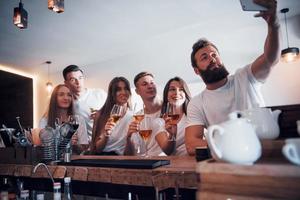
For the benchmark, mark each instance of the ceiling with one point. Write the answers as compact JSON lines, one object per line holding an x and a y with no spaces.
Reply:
{"x":124,"y":37}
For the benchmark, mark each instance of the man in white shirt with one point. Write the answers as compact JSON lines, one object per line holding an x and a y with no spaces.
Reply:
{"x":87,"y":100}
{"x":223,"y":93}
{"x":146,"y":88}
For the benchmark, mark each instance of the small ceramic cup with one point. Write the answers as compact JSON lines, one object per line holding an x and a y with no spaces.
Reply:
{"x":291,"y":150}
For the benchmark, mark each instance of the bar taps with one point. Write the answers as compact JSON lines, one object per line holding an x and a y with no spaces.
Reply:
{"x":42,"y":164}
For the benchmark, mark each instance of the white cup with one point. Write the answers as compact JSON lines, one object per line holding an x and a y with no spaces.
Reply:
{"x":291,"y":150}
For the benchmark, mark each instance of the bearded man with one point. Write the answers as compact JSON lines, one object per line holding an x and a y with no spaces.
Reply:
{"x":225,"y":94}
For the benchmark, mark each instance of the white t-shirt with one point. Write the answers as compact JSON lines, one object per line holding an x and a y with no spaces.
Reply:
{"x":81,"y":131}
{"x":117,"y":139}
{"x":153,"y":147}
{"x":92,"y":98}
{"x":241,"y":91}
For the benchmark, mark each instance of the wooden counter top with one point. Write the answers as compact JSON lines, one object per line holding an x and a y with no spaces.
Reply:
{"x":180,"y":173}
{"x":269,"y":178}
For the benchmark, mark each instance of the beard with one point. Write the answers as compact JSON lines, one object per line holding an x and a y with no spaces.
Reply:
{"x":213,"y":75}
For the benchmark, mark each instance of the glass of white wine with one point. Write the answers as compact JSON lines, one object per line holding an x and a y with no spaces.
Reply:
{"x":173,"y":113}
{"x":138,"y":114}
{"x":116,"y":114}
{"x":145,"y":132}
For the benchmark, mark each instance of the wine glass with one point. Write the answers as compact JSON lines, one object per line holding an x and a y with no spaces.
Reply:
{"x":116,"y":113}
{"x":145,"y":131}
{"x":138,"y":114}
{"x":173,"y":113}
{"x":74,"y":121}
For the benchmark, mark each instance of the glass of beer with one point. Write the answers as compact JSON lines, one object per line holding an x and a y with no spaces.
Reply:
{"x":145,"y":131}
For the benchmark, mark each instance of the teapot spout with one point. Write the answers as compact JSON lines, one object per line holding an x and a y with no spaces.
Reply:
{"x":275,"y":114}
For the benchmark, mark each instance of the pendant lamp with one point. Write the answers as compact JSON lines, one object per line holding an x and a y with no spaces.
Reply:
{"x":20,"y":16}
{"x":49,"y":85}
{"x":56,"y":5}
{"x":289,"y":54}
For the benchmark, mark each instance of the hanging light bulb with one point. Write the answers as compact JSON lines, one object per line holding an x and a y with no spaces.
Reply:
{"x":49,"y":85}
{"x":20,"y":16}
{"x":56,"y":5}
{"x":289,"y":54}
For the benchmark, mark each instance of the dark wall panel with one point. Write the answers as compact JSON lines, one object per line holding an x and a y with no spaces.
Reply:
{"x":16,"y":99}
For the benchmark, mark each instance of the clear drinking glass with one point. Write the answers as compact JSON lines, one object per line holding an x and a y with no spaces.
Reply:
{"x":145,"y":131}
{"x":172,"y":112}
{"x":115,"y":115}
{"x":138,"y":114}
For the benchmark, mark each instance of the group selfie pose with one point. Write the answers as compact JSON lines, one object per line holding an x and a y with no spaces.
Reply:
{"x":172,"y":125}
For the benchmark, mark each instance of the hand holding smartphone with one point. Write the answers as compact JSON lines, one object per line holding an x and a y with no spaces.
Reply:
{"x":249,"y":5}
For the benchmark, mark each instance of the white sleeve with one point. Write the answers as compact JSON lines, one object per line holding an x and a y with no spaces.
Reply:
{"x":101,"y":96}
{"x":195,"y":115}
{"x":158,"y":126}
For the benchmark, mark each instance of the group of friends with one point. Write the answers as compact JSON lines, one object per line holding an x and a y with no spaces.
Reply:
{"x":223,"y":94}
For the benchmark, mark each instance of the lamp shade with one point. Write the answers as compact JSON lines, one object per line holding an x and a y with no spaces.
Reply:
{"x":49,"y":87}
{"x":290,"y":54}
{"x":56,"y":5}
{"x":20,"y":17}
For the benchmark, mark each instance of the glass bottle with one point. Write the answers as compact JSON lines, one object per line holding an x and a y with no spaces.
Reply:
{"x":7,"y":189}
{"x":67,"y":189}
{"x":56,"y":191}
{"x":24,"y":195}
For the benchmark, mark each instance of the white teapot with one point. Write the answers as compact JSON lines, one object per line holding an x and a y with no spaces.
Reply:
{"x":264,"y":121}
{"x":234,"y":141}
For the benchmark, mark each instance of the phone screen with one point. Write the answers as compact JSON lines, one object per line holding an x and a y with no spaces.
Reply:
{"x":249,"y":5}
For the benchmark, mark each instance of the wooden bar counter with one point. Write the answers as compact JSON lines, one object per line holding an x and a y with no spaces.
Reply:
{"x":179,"y":173}
{"x":271,"y":177}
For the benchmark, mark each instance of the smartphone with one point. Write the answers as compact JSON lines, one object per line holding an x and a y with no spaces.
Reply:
{"x":249,"y":5}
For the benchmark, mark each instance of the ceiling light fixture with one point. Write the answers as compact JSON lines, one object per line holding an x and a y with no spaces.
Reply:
{"x":289,"y":54}
{"x":20,"y":16}
{"x":49,"y":85}
{"x":56,"y":5}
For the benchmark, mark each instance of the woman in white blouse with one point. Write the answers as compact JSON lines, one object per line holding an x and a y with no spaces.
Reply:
{"x":171,"y":140}
{"x":109,"y":137}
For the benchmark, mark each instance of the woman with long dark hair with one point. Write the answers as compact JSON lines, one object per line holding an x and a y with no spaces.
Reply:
{"x":177,"y":95}
{"x":109,"y":137}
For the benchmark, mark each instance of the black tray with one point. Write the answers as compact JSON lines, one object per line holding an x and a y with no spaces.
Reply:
{"x":116,"y":163}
